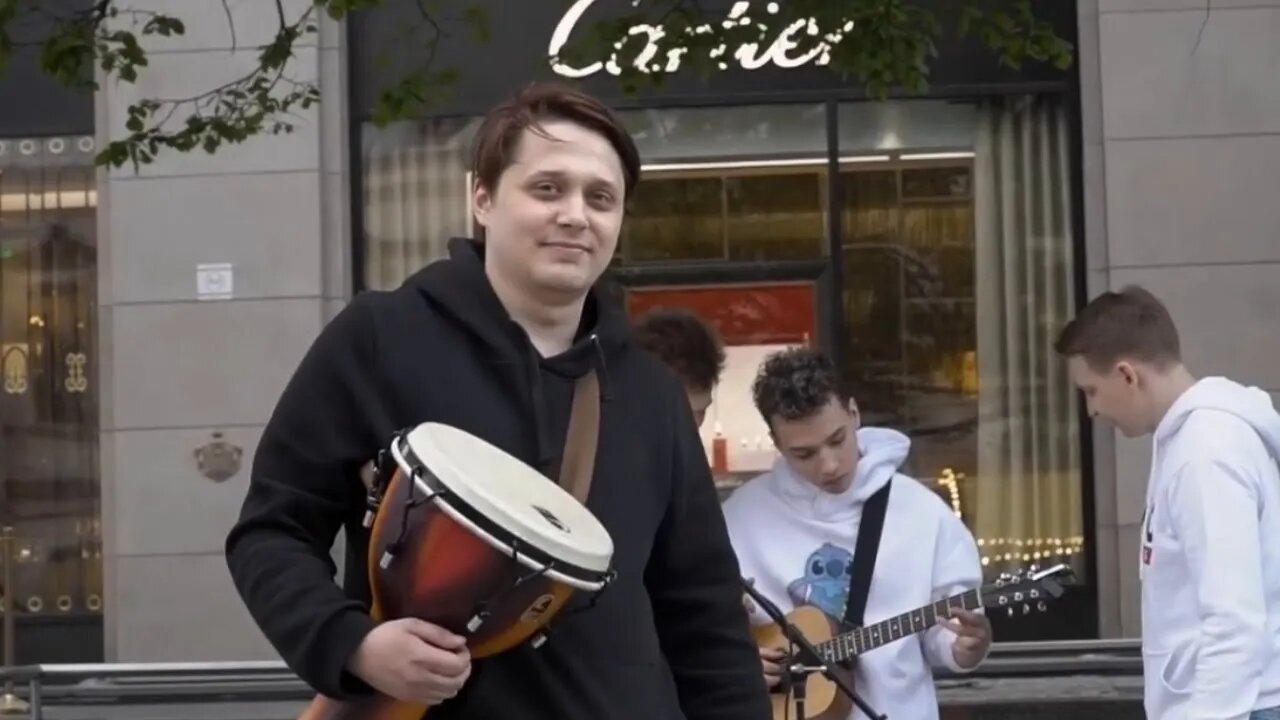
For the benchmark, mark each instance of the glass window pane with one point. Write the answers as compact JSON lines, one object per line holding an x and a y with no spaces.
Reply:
{"x":870,"y":206}
{"x":676,"y":219}
{"x":958,"y":273}
{"x":766,"y":164}
{"x":776,"y":216}
{"x":908,"y":125}
{"x":416,"y":195}
{"x":49,"y":482}
{"x":744,"y":132}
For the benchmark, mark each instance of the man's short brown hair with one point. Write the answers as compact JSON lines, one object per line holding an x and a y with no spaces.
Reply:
{"x":1130,"y":324}
{"x":498,"y":137}
{"x":684,"y":343}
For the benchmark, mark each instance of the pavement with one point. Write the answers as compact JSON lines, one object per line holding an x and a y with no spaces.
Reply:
{"x":1025,"y":698}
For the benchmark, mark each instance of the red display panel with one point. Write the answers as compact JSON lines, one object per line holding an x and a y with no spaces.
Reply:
{"x":772,"y":314}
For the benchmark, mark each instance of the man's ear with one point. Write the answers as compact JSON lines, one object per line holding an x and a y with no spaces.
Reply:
{"x":1128,"y":372}
{"x":481,"y":204}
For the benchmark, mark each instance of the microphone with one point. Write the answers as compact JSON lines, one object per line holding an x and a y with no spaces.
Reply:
{"x":809,"y":652}
{"x":773,"y":611}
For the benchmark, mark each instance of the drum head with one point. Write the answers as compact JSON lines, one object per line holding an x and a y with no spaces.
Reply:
{"x":518,"y":499}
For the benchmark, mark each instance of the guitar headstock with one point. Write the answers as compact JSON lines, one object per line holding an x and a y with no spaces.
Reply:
{"x":1025,"y":590}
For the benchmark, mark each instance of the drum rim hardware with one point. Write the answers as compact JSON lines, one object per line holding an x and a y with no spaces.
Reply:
{"x":586,"y":543}
{"x":520,"y":549}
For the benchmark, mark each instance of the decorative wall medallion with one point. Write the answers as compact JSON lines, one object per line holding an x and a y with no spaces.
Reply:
{"x":218,"y":459}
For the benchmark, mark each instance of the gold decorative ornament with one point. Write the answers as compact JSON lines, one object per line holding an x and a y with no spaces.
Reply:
{"x":13,"y":365}
{"x":76,"y":381}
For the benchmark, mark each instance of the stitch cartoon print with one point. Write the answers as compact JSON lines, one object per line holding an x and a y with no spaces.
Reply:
{"x":825,"y":582}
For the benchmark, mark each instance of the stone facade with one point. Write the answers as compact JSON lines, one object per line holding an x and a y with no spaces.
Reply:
{"x":176,"y":369}
{"x":1181,"y":160}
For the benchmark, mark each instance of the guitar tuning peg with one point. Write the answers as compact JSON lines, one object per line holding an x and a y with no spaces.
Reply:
{"x":1026,"y":609}
{"x":1010,"y":612}
{"x":1042,"y":607}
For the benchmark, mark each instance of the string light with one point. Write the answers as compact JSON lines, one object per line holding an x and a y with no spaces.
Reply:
{"x":951,"y":481}
{"x":1011,"y":550}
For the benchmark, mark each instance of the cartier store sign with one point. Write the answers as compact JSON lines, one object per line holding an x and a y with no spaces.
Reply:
{"x":528,"y":40}
{"x":782,"y":50}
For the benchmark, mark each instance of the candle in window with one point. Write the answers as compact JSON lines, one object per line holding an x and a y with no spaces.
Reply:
{"x":719,"y":452}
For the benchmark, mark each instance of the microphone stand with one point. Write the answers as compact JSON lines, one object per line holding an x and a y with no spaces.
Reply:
{"x":808,"y":653}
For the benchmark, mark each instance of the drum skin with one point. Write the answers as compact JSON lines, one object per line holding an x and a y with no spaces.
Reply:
{"x":442,"y":573}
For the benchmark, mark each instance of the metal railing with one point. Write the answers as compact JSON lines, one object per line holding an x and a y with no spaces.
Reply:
{"x":1082,"y":671}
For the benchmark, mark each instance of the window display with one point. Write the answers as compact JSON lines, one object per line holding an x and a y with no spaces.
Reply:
{"x":49,"y":477}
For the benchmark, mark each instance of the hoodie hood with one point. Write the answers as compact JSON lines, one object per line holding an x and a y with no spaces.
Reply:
{"x":1250,"y":404}
{"x":882,"y":451}
{"x":459,"y":289}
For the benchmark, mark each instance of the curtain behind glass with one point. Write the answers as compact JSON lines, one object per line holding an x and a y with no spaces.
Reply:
{"x":1028,"y":504}
{"x":415,"y":196}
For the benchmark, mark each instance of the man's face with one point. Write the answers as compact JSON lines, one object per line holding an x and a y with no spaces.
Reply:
{"x":552,"y":223}
{"x":699,"y":401}
{"x":1116,"y":394}
{"x":822,"y":448}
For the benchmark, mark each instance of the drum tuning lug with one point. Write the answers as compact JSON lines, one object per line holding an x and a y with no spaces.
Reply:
{"x":385,"y":562}
{"x":475,"y":622}
{"x":538,"y":640}
{"x":368,"y":519}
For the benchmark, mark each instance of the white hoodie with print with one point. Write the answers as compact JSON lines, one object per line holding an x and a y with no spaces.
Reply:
{"x":787,"y":535}
{"x":1210,"y":556}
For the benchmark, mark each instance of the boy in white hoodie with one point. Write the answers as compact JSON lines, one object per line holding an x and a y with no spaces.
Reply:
{"x":1209,"y":554}
{"x":794,"y":530}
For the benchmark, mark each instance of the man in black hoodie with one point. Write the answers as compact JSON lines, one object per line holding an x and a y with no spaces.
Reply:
{"x":491,"y":341}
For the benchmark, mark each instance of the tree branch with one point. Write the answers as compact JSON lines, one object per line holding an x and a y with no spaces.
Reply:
{"x":231,"y":23}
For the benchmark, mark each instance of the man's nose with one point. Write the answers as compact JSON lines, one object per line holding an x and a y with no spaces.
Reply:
{"x":573,"y":212}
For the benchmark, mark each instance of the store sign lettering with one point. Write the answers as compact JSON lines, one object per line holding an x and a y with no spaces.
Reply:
{"x":783,"y":51}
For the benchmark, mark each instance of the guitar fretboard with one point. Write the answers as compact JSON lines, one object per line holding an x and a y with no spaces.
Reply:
{"x":852,"y":643}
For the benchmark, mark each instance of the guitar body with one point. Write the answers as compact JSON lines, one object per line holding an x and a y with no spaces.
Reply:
{"x":822,"y":699}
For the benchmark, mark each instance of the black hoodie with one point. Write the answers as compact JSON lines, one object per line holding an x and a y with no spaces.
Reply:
{"x":668,"y":636}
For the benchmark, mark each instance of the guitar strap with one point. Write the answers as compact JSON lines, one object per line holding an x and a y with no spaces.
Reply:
{"x":864,"y":554}
{"x":578,"y":463}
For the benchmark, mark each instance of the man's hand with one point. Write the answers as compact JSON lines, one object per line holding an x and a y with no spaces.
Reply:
{"x":769,"y":660}
{"x":973,"y":636}
{"x":413,"y":661}
{"x":367,"y":474}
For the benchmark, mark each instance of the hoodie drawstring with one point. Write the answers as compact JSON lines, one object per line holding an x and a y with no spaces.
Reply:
{"x":602,"y":369}
{"x":538,"y":409}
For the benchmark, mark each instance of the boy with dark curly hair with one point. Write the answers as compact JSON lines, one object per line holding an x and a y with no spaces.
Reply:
{"x":795,"y":530}
{"x":689,"y":347}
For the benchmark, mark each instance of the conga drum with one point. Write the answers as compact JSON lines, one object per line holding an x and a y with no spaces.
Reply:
{"x":469,"y":538}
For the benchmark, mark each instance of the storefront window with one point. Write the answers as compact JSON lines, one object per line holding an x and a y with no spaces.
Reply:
{"x":49,"y":479}
{"x":703,"y":199}
{"x":958,"y":272}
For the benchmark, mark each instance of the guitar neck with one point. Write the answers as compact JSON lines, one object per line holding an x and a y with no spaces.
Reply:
{"x":863,"y":639}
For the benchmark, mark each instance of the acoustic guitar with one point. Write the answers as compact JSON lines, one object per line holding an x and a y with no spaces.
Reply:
{"x":1020,"y":593}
